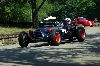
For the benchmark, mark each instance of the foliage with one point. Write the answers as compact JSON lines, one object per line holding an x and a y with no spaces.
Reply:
{"x":20,"y":10}
{"x":73,"y":8}
{"x":15,"y":10}
{"x":45,"y":10}
{"x":97,"y":9}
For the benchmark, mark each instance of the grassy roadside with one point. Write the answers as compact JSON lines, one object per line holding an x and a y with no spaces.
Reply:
{"x":9,"y":30}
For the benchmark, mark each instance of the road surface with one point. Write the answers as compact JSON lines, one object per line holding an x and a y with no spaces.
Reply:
{"x":75,"y":53}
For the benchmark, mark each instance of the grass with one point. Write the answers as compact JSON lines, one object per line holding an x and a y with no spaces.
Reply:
{"x":9,"y":30}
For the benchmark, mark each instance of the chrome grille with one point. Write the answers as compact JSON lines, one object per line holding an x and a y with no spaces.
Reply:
{"x":38,"y":34}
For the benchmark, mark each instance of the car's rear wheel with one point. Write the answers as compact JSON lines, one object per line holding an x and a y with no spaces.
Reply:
{"x":23,"y":39}
{"x":81,"y":34}
{"x":54,"y":39}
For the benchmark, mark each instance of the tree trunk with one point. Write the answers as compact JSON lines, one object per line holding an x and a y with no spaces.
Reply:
{"x":34,"y":13}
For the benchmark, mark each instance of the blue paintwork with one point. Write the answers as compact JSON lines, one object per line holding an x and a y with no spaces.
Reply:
{"x":42,"y":31}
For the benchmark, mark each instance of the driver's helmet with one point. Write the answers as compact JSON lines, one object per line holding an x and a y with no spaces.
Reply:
{"x":68,"y":20}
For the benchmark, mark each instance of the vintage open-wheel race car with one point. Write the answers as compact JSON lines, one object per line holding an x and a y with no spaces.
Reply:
{"x":52,"y":33}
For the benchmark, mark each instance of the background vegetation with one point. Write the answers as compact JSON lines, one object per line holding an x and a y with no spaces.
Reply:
{"x":21,"y":10}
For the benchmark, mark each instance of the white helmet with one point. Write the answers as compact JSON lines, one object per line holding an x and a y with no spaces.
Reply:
{"x":68,"y":19}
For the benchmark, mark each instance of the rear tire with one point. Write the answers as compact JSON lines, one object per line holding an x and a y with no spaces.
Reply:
{"x":54,"y":39}
{"x":23,"y":39}
{"x":81,"y":34}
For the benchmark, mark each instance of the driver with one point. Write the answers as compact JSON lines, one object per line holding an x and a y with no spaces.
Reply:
{"x":68,"y":20}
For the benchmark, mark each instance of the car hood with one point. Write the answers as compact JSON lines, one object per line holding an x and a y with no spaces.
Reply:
{"x":45,"y":29}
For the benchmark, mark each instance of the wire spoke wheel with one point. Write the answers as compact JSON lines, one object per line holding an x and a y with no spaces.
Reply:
{"x":23,"y":39}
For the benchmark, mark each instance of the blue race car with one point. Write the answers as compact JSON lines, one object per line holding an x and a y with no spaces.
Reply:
{"x":48,"y":32}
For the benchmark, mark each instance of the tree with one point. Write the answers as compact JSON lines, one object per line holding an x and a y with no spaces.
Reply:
{"x":73,"y":8}
{"x":35,"y":11}
{"x":15,"y":10}
{"x":97,"y":10}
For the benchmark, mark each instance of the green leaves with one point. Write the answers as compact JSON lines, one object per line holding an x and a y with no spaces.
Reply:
{"x":45,"y":10}
{"x":73,"y":7}
{"x":16,"y":10}
{"x":21,"y":10}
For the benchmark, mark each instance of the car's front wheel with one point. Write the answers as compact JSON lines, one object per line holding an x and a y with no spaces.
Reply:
{"x":23,"y":39}
{"x":54,"y":39}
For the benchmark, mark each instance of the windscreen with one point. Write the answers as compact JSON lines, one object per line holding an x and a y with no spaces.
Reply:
{"x":46,"y":25}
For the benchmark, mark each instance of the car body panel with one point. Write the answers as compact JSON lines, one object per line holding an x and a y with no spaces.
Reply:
{"x":42,"y":33}
{"x":81,"y":20}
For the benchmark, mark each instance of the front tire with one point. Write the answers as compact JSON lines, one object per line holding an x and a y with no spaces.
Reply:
{"x":23,"y":39}
{"x":54,"y":39}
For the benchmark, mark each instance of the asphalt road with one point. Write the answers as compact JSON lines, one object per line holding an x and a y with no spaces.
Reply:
{"x":75,"y":53}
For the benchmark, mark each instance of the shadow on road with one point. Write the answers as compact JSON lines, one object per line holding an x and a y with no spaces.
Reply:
{"x":46,"y":43}
{"x":91,"y":36}
{"x":95,"y":42}
{"x":32,"y":57}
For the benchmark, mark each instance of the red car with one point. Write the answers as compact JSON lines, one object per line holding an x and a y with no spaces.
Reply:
{"x":84,"y":21}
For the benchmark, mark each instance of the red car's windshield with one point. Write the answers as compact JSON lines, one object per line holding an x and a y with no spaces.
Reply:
{"x":82,"y":18}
